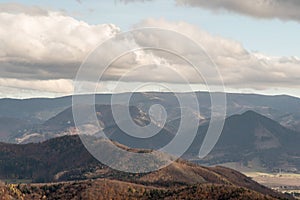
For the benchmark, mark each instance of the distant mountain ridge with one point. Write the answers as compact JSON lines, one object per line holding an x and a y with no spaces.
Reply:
{"x":41,"y":109}
{"x":249,"y":138}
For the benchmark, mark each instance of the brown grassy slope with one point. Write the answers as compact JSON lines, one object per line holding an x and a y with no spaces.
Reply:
{"x":183,"y":173}
{"x":87,"y":190}
{"x":181,"y":179}
{"x":103,"y":189}
{"x":216,"y":192}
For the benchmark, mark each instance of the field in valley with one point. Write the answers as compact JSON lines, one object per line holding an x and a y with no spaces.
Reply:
{"x":283,"y":182}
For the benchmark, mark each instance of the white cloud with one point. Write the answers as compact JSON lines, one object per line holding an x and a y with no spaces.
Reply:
{"x":42,"y":50}
{"x":239,"y":68}
{"x":46,"y":46}
{"x":19,"y":8}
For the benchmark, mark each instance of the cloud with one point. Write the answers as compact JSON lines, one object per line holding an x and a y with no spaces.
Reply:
{"x":19,"y":8}
{"x":265,"y":9}
{"x":45,"y":45}
{"x":239,"y":67}
{"x":42,"y":50}
{"x":63,"y":86}
{"x":281,"y":9}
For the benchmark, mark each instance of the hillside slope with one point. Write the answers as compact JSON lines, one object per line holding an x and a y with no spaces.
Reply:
{"x":65,"y":158}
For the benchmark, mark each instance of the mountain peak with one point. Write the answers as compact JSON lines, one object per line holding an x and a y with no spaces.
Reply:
{"x":251,"y":113}
{"x":251,"y":117}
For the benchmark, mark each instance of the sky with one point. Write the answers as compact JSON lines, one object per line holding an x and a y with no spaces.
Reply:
{"x":255,"y":45}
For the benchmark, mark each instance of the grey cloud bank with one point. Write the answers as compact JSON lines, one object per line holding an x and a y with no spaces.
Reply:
{"x":267,"y":9}
{"x":281,"y":9}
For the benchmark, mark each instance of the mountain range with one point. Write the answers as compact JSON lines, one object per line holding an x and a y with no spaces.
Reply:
{"x":280,"y":108}
{"x":251,"y":139}
{"x":39,"y":144}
